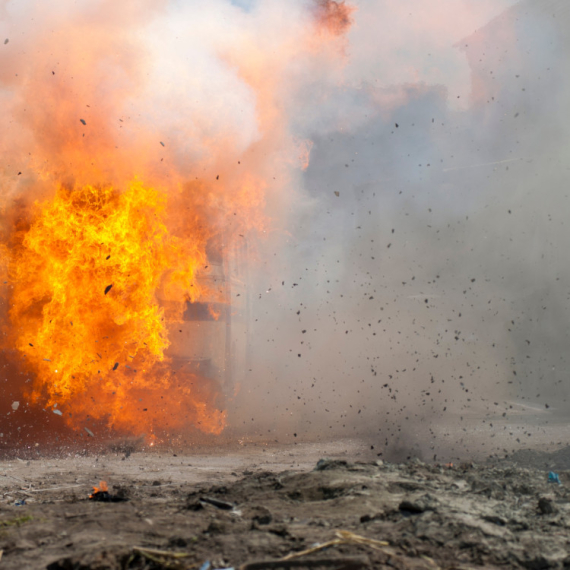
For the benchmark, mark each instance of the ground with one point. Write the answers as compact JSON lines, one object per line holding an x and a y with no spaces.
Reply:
{"x":255,"y":502}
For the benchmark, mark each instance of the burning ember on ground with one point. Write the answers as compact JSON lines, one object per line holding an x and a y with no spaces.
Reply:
{"x":119,"y":194}
{"x":103,"y":488}
{"x":102,"y":494}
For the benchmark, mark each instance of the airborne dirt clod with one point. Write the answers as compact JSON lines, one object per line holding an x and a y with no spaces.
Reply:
{"x":430,"y":516}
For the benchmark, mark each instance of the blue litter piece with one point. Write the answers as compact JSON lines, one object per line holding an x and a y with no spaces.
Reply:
{"x":206,"y":565}
{"x":20,"y":503}
{"x":554,"y":478}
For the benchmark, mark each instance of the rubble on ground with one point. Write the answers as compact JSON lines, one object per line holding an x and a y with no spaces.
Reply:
{"x":340,"y":514}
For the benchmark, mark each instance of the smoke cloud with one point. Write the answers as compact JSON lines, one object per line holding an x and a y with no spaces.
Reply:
{"x":399,"y":172}
{"x":423,"y":293}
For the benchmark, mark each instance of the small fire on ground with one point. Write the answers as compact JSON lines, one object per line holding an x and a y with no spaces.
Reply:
{"x":103,"y":488}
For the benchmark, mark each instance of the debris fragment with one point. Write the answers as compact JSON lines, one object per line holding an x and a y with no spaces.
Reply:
{"x":546,"y":506}
{"x":83,"y":122}
{"x":324,"y":464}
{"x":154,"y":555}
{"x":343,"y":537}
{"x":217,"y":503}
{"x":108,"y":288}
{"x":162,"y":143}
{"x":89,"y":432}
{"x":6,"y":41}
{"x":194,"y":506}
{"x":262,"y":515}
{"x":15,"y":405}
{"x":58,"y":412}
{"x":554,"y":478}
{"x":411,"y":507}
{"x":116,"y":366}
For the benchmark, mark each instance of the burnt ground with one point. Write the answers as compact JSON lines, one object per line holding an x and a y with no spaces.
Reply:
{"x":262,"y":503}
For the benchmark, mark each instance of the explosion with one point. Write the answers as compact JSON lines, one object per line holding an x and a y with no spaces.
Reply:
{"x":113,"y":235}
{"x":85,"y":314}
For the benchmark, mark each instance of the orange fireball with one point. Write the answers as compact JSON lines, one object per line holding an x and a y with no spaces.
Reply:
{"x":85,"y":311}
{"x":104,"y":267}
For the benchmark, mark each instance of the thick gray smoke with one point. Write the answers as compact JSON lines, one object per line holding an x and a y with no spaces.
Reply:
{"x":426,"y":285}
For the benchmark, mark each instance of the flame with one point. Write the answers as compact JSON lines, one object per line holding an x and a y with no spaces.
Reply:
{"x":215,"y":314}
{"x":103,"y":488}
{"x":85,"y":312}
{"x":139,"y":168}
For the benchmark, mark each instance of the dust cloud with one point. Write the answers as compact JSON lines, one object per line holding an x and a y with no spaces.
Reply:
{"x":422,"y":295}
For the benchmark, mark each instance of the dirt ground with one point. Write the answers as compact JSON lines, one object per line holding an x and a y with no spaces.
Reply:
{"x":255,"y":502}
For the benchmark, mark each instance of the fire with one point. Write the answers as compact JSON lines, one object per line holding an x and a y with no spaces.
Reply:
{"x":85,"y":312}
{"x":103,"y":488}
{"x":213,"y":312}
{"x":149,"y":155}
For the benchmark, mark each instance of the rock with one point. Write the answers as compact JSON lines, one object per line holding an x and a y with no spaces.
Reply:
{"x":324,"y":464}
{"x":414,"y":507}
{"x":411,"y":507}
{"x":261,"y":515}
{"x":216,"y":527}
{"x":546,"y":506}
